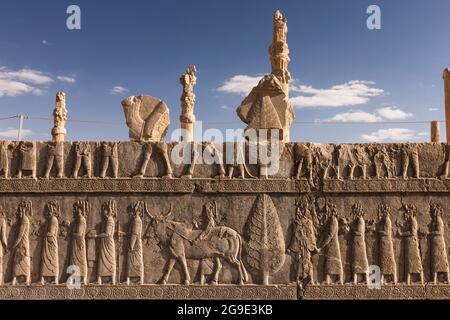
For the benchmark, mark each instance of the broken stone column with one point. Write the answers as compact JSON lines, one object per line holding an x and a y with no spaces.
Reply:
{"x":59,"y":118}
{"x":446,"y":77}
{"x":187,"y":117}
{"x":435,"y":132}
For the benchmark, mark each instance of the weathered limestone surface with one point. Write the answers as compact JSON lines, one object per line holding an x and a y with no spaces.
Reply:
{"x":209,"y":215}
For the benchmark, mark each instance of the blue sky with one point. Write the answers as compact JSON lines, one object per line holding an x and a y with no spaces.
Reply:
{"x":342,"y":71}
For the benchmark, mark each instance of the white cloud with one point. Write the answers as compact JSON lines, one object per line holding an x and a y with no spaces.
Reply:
{"x":393,"y":113}
{"x":239,"y":84}
{"x":66,"y":79}
{"x":118,"y":90}
{"x":44,"y":41}
{"x":350,"y":93}
{"x":382,"y":114}
{"x":356,"y":116}
{"x":12,"y":133}
{"x":13,"y":83}
{"x":393,"y":135}
{"x":26,"y":75}
{"x":433,"y":109}
{"x":224,"y":107}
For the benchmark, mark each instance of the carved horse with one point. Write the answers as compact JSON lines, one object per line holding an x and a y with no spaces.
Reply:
{"x":184,"y":243}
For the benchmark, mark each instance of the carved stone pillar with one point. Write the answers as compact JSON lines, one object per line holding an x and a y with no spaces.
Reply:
{"x":446,"y":77}
{"x":187,"y":117}
{"x":435,"y":132}
{"x":59,"y":118}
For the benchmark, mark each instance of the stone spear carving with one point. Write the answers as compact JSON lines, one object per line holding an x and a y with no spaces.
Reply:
{"x":386,"y":255}
{"x":59,"y":118}
{"x":438,"y":248}
{"x":78,"y":253}
{"x":265,"y":246}
{"x":49,"y":256}
{"x":21,"y":246}
{"x":187,"y":117}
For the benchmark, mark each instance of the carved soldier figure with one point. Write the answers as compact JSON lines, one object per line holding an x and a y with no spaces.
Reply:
{"x":135,"y":259}
{"x":4,"y":159}
{"x":49,"y":258}
{"x":82,"y":158}
{"x":21,"y":246}
{"x":303,"y":243}
{"x":413,"y":260}
{"x":110,"y":158}
{"x":55,"y":157}
{"x":386,"y":256}
{"x":410,"y":155}
{"x":238,"y":162}
{"x":209,"y":149}
{"x":3,"y":241}
{"x":106,"y":263}
{"x":161,"y":149}
{"x":438,"y":248}
{"x":359,"y":262}
{"x":382,"y":161}
{"x":330,"y":246}
{"x":303,"y":156}
{"x":78,"y":253}
{"x":27,"y":158}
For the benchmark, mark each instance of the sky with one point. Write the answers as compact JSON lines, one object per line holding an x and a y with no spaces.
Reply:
{"x":346,"y":78}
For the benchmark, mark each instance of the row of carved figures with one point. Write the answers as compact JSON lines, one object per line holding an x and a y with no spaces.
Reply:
{"x":305,"y":244}
{"x":213,"y":242}
{"x":342,"y":162}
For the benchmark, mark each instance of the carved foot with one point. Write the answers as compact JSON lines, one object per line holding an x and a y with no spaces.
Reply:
{"x":167,"y":176}
{"x":186,"y":176}
{"x":138,"y":176}
{"x":187,"y":282}
{"x":163,"y":281}
{"x":214,"y":282}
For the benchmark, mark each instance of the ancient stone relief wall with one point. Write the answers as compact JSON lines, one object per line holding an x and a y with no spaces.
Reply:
{"x":138,"y":225}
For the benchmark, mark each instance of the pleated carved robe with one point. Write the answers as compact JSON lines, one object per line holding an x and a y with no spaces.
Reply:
{"x":107,"y":251}
{"x":333,"y":261}
{"x":21,"y":265}
{"x":413,"y":263}
{"x":360,"y":263}
{"x":49,"y":258}
{"x":386,"y":257}
{"x":439,"y":260}
{"x":135,"y":261}
{"x":78,"y":247}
